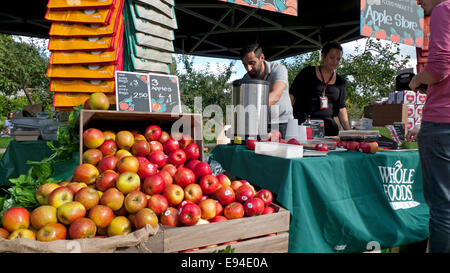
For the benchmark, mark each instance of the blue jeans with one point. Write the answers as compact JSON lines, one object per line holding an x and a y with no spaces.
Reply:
{"x":434,"y":151}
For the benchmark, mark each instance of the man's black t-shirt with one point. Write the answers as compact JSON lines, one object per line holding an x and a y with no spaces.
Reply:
{"x":307,"y":90}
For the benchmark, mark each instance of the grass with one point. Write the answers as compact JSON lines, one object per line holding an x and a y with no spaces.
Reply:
{"x":4,"y":142}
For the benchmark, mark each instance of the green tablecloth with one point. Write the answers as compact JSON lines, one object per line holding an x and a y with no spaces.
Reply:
{"x":16,"y":155}
{"x":344,"y":202}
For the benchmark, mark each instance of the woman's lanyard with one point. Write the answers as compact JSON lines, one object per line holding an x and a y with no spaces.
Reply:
{"x":324,"y":98}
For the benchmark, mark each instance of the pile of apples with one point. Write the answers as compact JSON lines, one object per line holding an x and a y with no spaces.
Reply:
{"x":128,"y":180}
{"x":364,"y":147}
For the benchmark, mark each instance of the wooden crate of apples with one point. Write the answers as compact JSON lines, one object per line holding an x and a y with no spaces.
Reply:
{"x":129,"y":179}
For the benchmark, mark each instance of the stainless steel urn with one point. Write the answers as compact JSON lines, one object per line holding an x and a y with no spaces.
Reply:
{"x":250,"y":109}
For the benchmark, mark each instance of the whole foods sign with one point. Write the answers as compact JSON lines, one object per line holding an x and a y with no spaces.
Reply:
{"x":399,"y":21}
{"x":283,"y":6}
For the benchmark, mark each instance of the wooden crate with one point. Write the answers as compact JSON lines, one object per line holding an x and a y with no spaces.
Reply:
{"x":117,"y":121}
{"x":249,"y":231}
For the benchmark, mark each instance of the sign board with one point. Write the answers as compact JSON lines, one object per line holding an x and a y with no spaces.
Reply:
{"x":399,"y":21}
{"x":165,"y":93}
{"x":132,"y":92}
{"x":288,"y":7}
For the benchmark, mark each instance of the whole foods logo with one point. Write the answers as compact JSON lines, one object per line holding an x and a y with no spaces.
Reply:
{"x":397,"y":184}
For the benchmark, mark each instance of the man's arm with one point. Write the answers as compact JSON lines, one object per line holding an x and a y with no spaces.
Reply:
{"x":422,"y":78}
{"x":276,"y":92}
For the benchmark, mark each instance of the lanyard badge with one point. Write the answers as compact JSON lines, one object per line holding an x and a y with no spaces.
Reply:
{"x":324,"y":98}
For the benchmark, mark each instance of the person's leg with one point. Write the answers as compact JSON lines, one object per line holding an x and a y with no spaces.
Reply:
{"x":434,"y":150}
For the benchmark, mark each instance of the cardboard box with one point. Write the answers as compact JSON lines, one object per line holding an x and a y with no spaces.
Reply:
{"x":406,"y":97}
{"x":387,"y":114}
{"x":421,"y":98}
{"x":392,"y":99}
{"x":418,"y":110}
{"x":116,"y":121}
{"x":411,"y":110}
{"x":410,"y":124}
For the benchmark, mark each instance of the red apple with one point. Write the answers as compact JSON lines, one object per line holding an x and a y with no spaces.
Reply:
{"x":219,"y":208}
{"x":135,"y":201}
{"x":208,"y":208}
{"x":234,"y":210}
{"x":16,"y":218}
{"x":177,"y":157}
{"x":70,"y":211}
{"x":128,"y":164}
{"x":342,"y":144}
{"x":158,"y":158}
{"x":120,"y":225}
{"x":124,"y":140}
{"x":128,"y":182}
{"x":155,"y":146}
{"x":168,"y":179}
{"x":109,"y":135}
{"x":184,"y":202}
{"x":185,"y":141}
{"x":184,"y":177}
{"x":209,"y":184}
{"x":122,"y":153}
{"x":76,"y":186}
{"x":138,"y":136}
{"x":368,"y":147}
{"x":321,"y":147}
{"x":147,"y":169}
{"x":189,"y":214}
{"x":202,"y":169}
{"x":268,"y":210}
{"x":92,"y":156}
{"x":164,"y":137}
{"x":170,"y":217}
{"x":109,"y":162}
{"x":218,"y":218}
{"x":236,"y":184}
{"x":275,"y":136}
{"x":171,"y":145}
{"x":140,"y":148}
{"x":89,"y":197}
{"x":44,"y":191}
{"x":158,"y":203}
{"x":51,"y":232}
{"x":60,"y":196}
{"x":101,"y":215}
{"x":153,"y":184}
{"x":106,"y":180}
{"x":250,"y":144}
{"x":93,"y":138}
{"x":170,"y":168}
{"x":223,"y":179}
{"x":192,"y":151}
{"x":244,"y":193}
{"x":142,"y":159}
{"x":353,"y":145}
{"x":86,"y":173}
{"x":266,"y":196}
{"x":42,"y":216}
{"x":112,"y":198}
{"x":174,"y":194}
{"x":153,"y":132}
{"x":293,"y":141}
{"x":144,"y":217}
{"x":193,"y":193}
{"x":109,"y":147}
{"x":82,"y":228}
{"x":225,"y":195}
{"x":191,"y":164}
{"x":254,"y":206}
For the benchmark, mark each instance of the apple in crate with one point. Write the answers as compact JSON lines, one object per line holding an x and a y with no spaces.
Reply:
{"x":109,"y":162}
{"x":42,"y":216}
{"x":153,"y":184}
{"x":177,"y":157}
{"x":22,"y":233}
{"x":120,"y":225}
{"x":266,"y":196}
{"x":86,"y":173}
{"x":140,"y":148}
{"x":164,"y":137}
{"x":158,"y":203}
{"x":93,"y":138}
{"x":135,"y":201}
{"x":225,"y":195}
{"x":189,"y":214}
{"x":60,"y":196}
{"x":170,"y":217}
{"x":223,"y":179}
{"x":171,"y":145}
{"x":193,"y":192}
{"x":16,"y":218}
{"x":128,"y":164}
{"x":70,"y":211}
{"x":234,"y":210}
{"x":82,"y":228}
{"x":144,"y":217}
{"x":124,"y":140}
{"x":268,"y":210}
{"x":244,"y":193}
{"x":128,"y":182}
{"x":208,"y":208}
{"x":89,"y":197}
{"x":174,"y":194}
{"x":44,"y":191}
{"x":170,"y":168}
{"x":168,"y":179}
{"x":155,"y":146}
{"x":106,"y":180}
{"x":192,"y":151}
{"x":152,"y":132}
{"x":185,"y":140}
{"x":201,"y":169}
{"x":254,"y":207}
{"x":101,"y":215}
{"x":112,"y":198}
{"x":4,"y":234}
{"x":158,"y":158}
{"x":147,"y":169}
{"x":76,"y":186}
{"x":109,"y":147}
{"x":209,"y":184}
{"x":184,"y":177}
{"x":218,"y":218}
{"x":51,"y":232}
{"x":92,"y":156}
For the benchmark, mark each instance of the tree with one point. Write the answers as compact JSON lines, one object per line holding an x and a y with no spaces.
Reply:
{"x":370,"y":73}
{"x":23,"y":66}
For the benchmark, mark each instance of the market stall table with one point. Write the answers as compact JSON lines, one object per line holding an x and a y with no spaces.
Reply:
{"x":343,"y":202}
{"x":18,"y":153}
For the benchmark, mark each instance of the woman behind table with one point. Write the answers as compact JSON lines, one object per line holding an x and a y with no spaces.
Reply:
{"x":319,"y":92}
{"x":8,"y":124}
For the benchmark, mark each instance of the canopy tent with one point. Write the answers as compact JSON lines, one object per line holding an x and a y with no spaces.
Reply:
{"x":217,"y":29}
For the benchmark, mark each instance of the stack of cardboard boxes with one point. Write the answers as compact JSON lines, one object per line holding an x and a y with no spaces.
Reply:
{"x":414,"y":102}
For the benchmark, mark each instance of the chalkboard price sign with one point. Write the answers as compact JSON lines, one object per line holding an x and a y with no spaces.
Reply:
{"x":132,"y":92}
{"x":165,"y":93}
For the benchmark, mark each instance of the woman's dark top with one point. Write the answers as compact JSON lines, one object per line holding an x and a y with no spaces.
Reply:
{"x":307,"y":90}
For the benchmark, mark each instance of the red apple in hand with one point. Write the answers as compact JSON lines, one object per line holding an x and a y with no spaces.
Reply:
{"x":152,"y":132}
{"x":153,"y":184}
{"x":266,"y":196}
{"x":209,"y":184}
{"x":192,"y":151}
{"x":250,"y":143}
{"x":189,"y":214}
{"x":254,"y":207}
{"x":177,"y":157}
